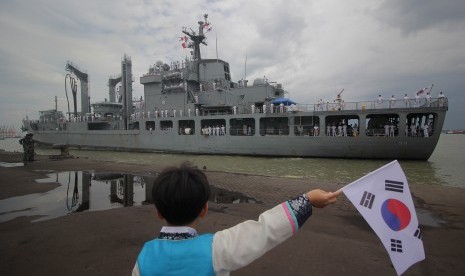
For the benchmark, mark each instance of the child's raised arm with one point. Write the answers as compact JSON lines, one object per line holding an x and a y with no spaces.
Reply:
{"x":239,"y":245}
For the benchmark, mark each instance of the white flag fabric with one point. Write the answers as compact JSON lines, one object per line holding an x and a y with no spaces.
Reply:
{"x":383,"y":198}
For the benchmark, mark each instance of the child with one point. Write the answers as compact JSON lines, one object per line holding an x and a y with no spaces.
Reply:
{"x":181,"y":198}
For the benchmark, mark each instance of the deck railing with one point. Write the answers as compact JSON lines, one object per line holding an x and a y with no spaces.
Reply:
{"x":370,"y":105}
{"x":283,"y":110}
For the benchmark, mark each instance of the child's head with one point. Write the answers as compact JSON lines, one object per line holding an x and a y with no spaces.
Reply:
{"x":180,"y":194}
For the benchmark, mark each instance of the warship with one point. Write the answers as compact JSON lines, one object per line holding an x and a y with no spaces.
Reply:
{"x":194,"y":107}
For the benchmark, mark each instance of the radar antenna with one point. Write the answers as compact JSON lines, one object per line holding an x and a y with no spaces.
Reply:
{"x":198,"y":38}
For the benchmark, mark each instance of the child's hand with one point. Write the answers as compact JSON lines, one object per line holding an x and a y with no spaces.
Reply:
{"x":319,"y":198}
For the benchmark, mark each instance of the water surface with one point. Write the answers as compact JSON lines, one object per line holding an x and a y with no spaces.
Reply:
{"x":445,"y":166}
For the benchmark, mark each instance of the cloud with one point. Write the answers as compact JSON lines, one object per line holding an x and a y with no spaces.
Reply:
{"x":315,"y":48}
{"x":417,"y":15}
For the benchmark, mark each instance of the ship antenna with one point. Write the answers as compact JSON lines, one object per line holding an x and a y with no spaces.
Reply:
{"x":197,"y":40}
{"x":245,"y":66}
{"x":216,"y":46}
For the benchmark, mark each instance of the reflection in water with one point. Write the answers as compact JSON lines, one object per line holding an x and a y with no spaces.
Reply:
{"x":119,"y":192}
{"x":75,"y":196}
{"x":89,"y":191}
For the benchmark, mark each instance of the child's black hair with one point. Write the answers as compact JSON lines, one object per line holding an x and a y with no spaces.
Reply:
{"x":180,"y":194}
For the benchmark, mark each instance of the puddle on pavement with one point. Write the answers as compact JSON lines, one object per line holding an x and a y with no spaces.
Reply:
{"x":90,"y":191}
{"x":10,"y":165}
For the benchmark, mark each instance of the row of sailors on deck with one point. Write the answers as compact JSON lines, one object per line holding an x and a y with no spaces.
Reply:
{"x":163,"y":113}
{"x":175,"y":113}
{"x":413,"y":130}
{"x":214,"y":130}
{"x":338,"y":104}
{"x":79,"y":118}
{"x":416,"y":102}
{"x":340,"y":129}
{"x":281,"y":108}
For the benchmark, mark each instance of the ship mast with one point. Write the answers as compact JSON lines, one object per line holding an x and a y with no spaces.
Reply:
{"x":198,"y":39}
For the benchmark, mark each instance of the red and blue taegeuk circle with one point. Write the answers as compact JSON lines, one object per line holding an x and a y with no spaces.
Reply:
{"x":396,"y":214}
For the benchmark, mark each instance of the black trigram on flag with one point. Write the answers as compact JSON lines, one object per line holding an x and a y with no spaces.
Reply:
{"x":396,"y":245}
{"x":417,"y":234}
{"x":394,"y":186}
{"x":367,"y":199}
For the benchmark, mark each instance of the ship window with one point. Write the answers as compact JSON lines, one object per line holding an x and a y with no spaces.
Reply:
{"x":134,"y":125}
{"x":242,"y":127}
{"x":166,"y":125}
{"x":274,"y":126}
{"x":98,"y":126}
{"x":341,"y":125}
{"x":227,"y":75}
{"x":420,"y":124}
{"x":305,"y":125}
{"x":382,"y":125}
{"x":186,"y":127}
{"x":149,"y":125}
{"x":214,"y":127}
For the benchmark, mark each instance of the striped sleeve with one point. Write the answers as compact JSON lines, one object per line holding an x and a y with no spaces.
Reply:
{"x":297,"y":210}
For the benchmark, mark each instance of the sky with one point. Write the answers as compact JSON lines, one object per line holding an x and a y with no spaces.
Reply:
{"x":315,"y":48}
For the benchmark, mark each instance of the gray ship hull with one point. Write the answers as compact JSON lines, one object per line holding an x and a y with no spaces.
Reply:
{"x":289,"y":144}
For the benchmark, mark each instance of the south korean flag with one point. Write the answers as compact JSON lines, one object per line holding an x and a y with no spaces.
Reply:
{"x":383,"y":198}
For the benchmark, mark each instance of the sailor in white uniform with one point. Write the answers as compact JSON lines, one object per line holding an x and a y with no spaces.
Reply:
{"x":441,"y":99}
{"x":428,"y":99}
{"x":417,"y":100}
{"x":413,"y":130}
{"x":391,"y":130}
{"x":392,"y":102}
{"x":425,"y":130}
{"x":379,"y":101}
{"x":406,"y":101}
{"x":316,"y":130}
{"x":223,"y":130}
